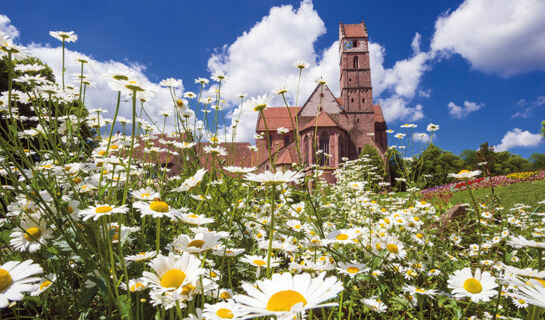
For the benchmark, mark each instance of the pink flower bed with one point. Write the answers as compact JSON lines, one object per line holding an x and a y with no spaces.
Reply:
{"x":482,"y":183}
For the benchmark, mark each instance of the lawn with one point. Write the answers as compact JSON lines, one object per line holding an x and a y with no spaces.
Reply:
{"x":529,"y":193}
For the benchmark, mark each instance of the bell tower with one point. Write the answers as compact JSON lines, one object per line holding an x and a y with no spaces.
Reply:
{"x":356,"y":91}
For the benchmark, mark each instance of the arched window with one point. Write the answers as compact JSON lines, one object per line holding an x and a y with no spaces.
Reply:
{"x":324,"y":146}
{"x":356,"y":64}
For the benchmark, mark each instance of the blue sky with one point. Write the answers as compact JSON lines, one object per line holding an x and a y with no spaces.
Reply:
{"x":486,"y":58}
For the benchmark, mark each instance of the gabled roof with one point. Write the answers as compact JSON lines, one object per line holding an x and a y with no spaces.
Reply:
{"x":284,"y":157}
{"x":277,"y":117}
{"x":321,"y":120}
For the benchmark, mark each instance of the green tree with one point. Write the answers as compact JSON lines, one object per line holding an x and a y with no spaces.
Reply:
{"x":470,"y":159}
{"x":537,"y":160}
{"x":436,"y":165}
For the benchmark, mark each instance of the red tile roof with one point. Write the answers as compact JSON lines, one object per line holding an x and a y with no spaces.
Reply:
{"x":354,"y":31}
{"x":284,"y":157}
{"x":277,"y":117}
{"x":378,"y":117}
{"x":322,"y":120}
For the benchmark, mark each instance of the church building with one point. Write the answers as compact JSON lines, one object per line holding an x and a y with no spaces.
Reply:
{"x":329,"y":128}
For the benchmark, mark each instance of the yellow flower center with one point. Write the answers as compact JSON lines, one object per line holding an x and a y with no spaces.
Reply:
{"x":225,"y":313}
{"x":352,"y":270}
{"x":159,"y":206}
{"x":225,"y":295}
{"x":45,"y":284}
{"x":213,"y":274}
{"x":32,"y":234}
{"x":299,"y":209}
{"x":392,"y":247}
{"x":341,"y":236}
{"x":196,"y":243}
{"x":145,"y":195}
{"x":259,"y":262}
{"x":420,"y":290}
{"x":103,"y":209}
{"x":473,"y":285}
{"x":463,"y":171}
{"x":193,"y":216}
{"x":187,"y":289}
{"x":5,"y":279}
{"x":419,"y":235}
{"x":136,"y":286}
{"x":297,"y":226}
{"x":285,"y":300}
{"x":173,"y":278}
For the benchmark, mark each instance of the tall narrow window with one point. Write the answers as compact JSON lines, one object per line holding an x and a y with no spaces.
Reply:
{"x":324,"y":146}
{"x":306,"y":152}
{"x":286,"y":139}
{"x":356,"y":64}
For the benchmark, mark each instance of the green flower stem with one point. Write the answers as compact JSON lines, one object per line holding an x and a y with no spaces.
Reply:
{"x":271,"y":231}
{"x":158,"y":236}
{"x":133,"y":134}
{"x":63,"y":45}
{"x":478,"y":215}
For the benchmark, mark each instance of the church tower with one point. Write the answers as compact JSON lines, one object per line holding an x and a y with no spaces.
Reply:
{"x":356,"y":90}
{"x":363,"y":120}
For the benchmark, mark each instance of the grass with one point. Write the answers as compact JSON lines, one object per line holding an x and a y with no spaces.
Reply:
{"x":529,"y":193}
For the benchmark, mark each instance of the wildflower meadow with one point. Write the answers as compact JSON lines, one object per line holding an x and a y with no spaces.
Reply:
{"x":96,"y":224}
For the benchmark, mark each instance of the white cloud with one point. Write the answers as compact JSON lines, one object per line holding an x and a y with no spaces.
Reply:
{"x":422,"y":137}
{"x":496,"y":36}
{"x":261,"y":58}
{"x":7,"y":28}
{"x":518,"y":138}
{"x":459,"y":112}
{"x":528,"y":107}
{"x":102,"y":96}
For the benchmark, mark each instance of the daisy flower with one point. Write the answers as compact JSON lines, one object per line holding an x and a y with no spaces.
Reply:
{"x":301,"y":64}
{"x":465,"y":174}
{"x":217,"y":150}
{"x":344,"y":236}
{"x":142,"y":256}
{"x":145,"y":194}
{"x":98,"y":211}
{"x":66,"y":36}
{"x":285,"y":296}
{"x":157,"y":209}
{"x":351,"y":269}
{"x":16,"y":278}
{"x":224,"y":310}
{"x":44,"y":284}
{"x":259,"y":261}
{"x":31,"y":235}
{"x":477,"y":287}
{"x":375,"y":305}
{"x":173,"y":272}
{"x":259,"y":103}
{"x":278,"y":177}
{"x":202,"y":241}
{"x":412,"y":290}
{"x":192,"y":218}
